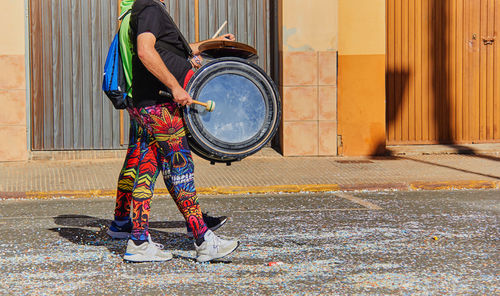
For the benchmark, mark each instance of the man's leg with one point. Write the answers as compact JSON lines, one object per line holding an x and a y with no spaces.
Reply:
{"x":143,"y":187}
{"x":213,"y":223}
{"x":165,"y":123}
{"x":140,"y":247}
{"x":121,"y":226}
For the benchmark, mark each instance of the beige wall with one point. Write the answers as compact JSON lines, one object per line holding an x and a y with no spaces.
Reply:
{"x":12,"y":27}
{"x":308,"y":52}
{"x":310,"y":25}
{"x":13,"y":128}
{"x":361,"y":102}
{"x":362,"y":27}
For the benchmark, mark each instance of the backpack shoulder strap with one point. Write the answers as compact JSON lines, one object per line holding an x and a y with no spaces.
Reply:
{"x":124,"y":14}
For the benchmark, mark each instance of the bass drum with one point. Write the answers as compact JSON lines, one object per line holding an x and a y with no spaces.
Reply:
{"x":246,"y":114}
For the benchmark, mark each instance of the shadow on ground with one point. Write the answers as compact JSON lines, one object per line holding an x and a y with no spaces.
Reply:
{"x":75,"y":229}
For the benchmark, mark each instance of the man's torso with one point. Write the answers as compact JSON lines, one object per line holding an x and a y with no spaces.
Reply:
{"x":150,"y":16}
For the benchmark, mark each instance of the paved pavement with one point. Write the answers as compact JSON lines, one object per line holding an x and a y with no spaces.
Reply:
{"x":340,"y":243}
{"x":266,"y":172}
{"x":353,"y":226}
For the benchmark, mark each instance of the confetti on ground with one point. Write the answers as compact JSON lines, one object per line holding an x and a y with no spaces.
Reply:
{"x":56,"y":247}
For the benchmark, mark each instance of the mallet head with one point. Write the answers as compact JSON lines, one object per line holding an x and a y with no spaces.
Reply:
{"x":210,"y":106}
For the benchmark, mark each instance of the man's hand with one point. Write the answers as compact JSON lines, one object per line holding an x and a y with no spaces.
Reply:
{"x":181,"y":97}
{"x":196,"y":61}
{"x":226,"y":37}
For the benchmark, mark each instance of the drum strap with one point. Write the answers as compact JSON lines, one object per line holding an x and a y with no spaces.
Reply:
{"x":186,"y":50}
{"x":169,"y":47}
{"x":185,"y":44}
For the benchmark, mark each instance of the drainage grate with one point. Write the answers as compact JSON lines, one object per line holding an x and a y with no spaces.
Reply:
{"x":354,"y":161}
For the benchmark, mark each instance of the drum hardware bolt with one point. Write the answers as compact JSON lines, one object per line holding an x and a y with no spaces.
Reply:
{"x":212,"y":162}
{"x":228,"y":163}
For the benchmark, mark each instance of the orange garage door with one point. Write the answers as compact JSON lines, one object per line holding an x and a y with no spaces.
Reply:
{"x":443,"y":79}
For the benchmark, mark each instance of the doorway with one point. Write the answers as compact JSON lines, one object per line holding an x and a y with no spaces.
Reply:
{"x":443,"y":72}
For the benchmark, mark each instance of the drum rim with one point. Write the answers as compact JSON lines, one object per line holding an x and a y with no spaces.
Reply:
{"x":222,"y":153}
{"x":260,"y":83}
{"x":250,"y":51}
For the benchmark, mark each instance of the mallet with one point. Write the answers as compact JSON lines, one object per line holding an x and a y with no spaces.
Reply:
{"x":209,"y":105}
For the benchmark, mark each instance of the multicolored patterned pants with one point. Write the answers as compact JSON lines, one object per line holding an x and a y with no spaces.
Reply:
{"x":157,"y":140}
{"x":128,"y":173}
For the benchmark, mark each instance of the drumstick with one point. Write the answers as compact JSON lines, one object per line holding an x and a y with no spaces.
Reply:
{"x":220,"y":30}
{"x":209,"y":105}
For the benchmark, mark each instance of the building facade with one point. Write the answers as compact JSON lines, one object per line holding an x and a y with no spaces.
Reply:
{"x":14,"y":99}
{"x":354,"y":75}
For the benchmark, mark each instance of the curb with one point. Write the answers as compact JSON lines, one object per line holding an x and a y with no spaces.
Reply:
{"x":241,"y":190}
{"x":455,"y":185}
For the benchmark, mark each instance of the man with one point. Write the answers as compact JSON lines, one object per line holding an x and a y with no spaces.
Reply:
{"x":160,"y":62}
{"x":121,"y":227}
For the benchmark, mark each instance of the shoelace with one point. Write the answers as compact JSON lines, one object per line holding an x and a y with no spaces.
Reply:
{"x":216,"y":241}
{"x":158,"y":245}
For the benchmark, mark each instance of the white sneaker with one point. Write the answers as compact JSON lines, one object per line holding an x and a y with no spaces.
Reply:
{"x":214,"y":247}
{"x":146,"y":252}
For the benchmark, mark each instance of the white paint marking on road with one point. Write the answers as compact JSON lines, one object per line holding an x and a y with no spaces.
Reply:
{"x":359,"y":201}
{"x":26,"y":218}
{"x":302,"y":210}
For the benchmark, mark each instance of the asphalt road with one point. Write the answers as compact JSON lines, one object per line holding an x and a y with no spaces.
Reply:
{"x":405,"y":243}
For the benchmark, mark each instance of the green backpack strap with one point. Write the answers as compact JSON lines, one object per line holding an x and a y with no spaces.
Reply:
{"x":124,"y":14}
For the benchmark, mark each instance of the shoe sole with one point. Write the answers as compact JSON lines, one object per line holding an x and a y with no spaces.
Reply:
{"x":118,"y":235}
{"x":202,"y":259}
{"x":214,"y":228}
{"x":136,"y":258}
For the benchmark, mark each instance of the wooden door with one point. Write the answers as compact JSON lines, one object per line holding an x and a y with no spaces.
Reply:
{"x":443,"y":79}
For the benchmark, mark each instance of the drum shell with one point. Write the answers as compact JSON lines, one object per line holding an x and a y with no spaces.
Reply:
{"x":205,"y":144}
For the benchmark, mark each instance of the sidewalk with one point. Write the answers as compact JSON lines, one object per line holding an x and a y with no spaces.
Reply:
{"x":263,"y":173}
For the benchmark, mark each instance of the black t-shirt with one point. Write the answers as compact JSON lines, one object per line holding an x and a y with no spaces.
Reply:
{"x":150,"y":16}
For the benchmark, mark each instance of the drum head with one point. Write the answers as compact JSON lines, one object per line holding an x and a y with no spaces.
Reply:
{"x":220,"y":48}
{"x":246,"y":115}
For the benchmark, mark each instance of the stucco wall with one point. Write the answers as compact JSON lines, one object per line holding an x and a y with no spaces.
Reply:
{"x":308,"y":51}
{"x":361,"y":102}
{"x":13,"y":128}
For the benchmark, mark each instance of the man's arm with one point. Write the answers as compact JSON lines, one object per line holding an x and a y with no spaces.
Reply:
{"x":153,"y":62}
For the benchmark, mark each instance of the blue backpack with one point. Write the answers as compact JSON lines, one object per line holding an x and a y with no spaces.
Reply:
{"x":114,"y":84}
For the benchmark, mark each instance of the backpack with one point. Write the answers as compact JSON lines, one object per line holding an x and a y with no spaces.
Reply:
{"x":114,"y":83}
